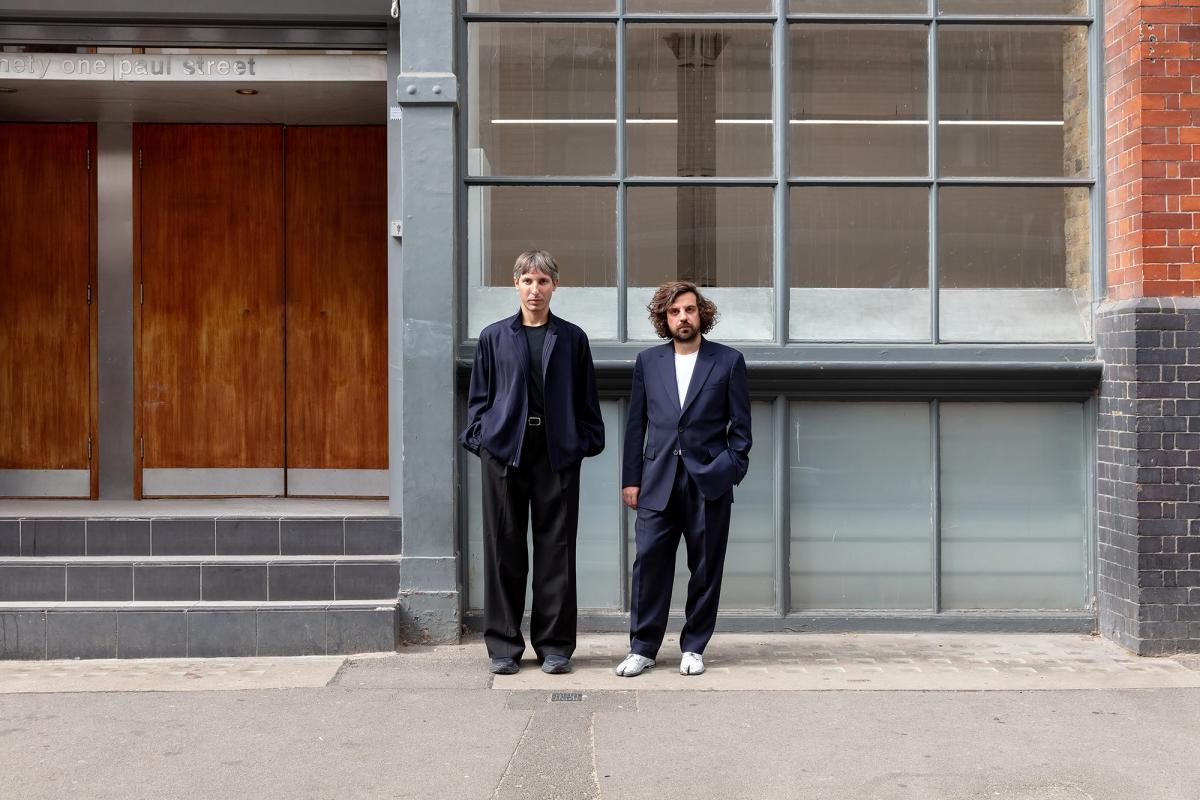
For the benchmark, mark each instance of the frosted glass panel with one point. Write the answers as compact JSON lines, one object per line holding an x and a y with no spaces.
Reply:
{"x":861,"y":505}
{"x":1013,"y":506}
{"x":749,"y":580}
{"x":597,"y":557}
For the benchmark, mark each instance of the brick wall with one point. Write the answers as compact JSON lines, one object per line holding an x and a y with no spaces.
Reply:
{"x":1152,"y":127}
{"x":1148,"y":331}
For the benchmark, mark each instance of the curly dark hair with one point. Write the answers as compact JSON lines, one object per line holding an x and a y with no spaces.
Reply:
{"x":667,"y":294}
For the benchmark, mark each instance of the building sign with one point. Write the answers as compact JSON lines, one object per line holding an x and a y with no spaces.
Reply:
{"x":190,"y":67}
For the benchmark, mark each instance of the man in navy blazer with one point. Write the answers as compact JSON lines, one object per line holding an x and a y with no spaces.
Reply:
{"x":687,"y":443}
{"x":532,"y":416}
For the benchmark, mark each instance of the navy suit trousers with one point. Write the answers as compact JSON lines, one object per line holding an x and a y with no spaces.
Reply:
{"x":704,"y":525}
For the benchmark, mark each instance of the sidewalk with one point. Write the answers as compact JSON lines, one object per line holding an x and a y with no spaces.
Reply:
{"x":1032,"y":717}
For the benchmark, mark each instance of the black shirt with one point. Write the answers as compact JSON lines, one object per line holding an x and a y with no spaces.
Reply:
{"x":535,"y":336}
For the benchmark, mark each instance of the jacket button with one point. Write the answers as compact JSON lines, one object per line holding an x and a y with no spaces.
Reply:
{"x":680,"y":430}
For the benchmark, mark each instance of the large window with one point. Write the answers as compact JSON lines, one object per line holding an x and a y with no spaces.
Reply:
{"x":829,"y":170}
{"x":928,"y":506}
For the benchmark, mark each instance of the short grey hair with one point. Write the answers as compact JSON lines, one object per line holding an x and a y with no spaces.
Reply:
{"x":535,"y":261}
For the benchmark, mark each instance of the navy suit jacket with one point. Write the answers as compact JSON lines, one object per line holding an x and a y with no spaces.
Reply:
{"x":712,"y":428}
{"x":498,"y":400}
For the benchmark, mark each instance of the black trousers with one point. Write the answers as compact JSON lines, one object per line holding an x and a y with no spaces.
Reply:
{"x":509,"y":495}
{"x":704,"y":525}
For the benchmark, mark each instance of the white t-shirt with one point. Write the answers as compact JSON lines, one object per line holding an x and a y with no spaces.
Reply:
{"x":684,"y":366}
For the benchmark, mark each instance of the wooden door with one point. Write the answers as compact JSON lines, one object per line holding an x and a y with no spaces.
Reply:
{"x":209,"y":210}
{"x":47,"y":351}
{"x":337,"y":311}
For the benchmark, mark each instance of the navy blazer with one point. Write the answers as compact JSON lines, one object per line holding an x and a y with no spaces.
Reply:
{"x":498,"y":400}
{"x":712,"y":428}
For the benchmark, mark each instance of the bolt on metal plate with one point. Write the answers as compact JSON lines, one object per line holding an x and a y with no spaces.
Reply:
{"x":566,"y":697}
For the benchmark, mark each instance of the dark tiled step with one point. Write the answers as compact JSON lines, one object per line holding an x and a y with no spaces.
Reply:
{"x":195,"y":579}
{"x":200,"y":536}
{"x":178,"y":630}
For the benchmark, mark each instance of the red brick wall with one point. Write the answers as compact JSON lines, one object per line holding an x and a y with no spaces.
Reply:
{"x":1152,"y":119}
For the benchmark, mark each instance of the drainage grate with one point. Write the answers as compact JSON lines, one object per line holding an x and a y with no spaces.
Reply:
{"x":566,"y":697}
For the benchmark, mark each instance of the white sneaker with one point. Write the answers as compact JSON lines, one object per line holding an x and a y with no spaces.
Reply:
{"x":691,"y":664}
{"x":634,"y":665}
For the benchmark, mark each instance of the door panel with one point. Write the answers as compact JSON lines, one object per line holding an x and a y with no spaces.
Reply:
{"x":210,"y":350}
{"x":337,"y":311}
{"x":46,"y":321}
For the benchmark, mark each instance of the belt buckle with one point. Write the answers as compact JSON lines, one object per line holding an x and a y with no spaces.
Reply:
{"x":535,"y":422}
{"x":677,"y":452}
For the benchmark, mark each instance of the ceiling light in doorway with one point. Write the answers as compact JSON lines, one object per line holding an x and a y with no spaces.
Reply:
{"x":246,"y":92}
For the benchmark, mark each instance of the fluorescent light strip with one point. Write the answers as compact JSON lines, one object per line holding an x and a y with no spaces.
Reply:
{"x":978,"y":122}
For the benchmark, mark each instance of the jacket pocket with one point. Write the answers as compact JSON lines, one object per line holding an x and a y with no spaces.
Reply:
{"x":650,"y":453}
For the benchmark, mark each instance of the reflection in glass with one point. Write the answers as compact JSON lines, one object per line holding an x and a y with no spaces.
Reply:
{"x":1012,"y":6}
{"x":1015,"y":263}
{"x":551,"y":6}
{"x":1013,"y":521}
{"x":598,"y":556}
{"x":858,"y":100}
{"x":577,"y":224}
{"x":859,"y":7}
{"x":862,"y":526}
{"x":717,"y":237}
{"x":699,"y":6}
{"x":859,"y":263}
{"x":541,"y":99}
{"x":749,"y":580}
{"x":698,"y":100}
{"x":1013,"y":100}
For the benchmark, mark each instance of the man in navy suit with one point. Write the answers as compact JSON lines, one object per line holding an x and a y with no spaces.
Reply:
{"x":687,"y":443}
{"x":532,"y":416}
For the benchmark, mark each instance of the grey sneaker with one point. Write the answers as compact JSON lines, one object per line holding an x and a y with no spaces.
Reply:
{"x":634,"y":665}
{"x":505,"y":666}
{"x":556,"y":665}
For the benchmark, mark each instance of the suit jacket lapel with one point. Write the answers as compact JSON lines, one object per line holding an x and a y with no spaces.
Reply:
{"x":548,"y":347}
{"x":704,"y":365}
{"x":667,"y":373}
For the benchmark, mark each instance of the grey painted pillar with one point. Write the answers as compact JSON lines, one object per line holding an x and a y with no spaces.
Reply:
{"x":421,"y":331}
{"x":114,"y":293}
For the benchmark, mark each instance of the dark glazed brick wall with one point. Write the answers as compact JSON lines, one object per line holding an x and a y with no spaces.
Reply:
{"x":1148,"y":474}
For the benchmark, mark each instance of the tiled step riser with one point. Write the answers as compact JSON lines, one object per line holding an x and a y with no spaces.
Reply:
{"x":34,"y":635}
{"x":188,"y":536}
{"x":40,"y":583}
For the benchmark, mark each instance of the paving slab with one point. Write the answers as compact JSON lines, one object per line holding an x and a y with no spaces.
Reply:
{"x":873,"y":662}
{"x":167,"y":674}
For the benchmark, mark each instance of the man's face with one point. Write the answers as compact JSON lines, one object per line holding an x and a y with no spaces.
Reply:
{"x":683,"y":317}
{"x":535,"y":289}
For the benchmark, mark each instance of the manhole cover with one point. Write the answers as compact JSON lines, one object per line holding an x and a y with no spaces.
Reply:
{"x":566,"y":697}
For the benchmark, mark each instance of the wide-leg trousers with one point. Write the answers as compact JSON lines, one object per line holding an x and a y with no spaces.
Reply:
{"x":704,"y":526}
{"x":510,"y":494}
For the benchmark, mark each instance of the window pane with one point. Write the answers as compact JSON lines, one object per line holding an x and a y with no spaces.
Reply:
{"x":1013,"y":100}
{"x":521,"y":6}
{"x":698,"y":100}
{"x":576,"y":224}
{"x":699,"y":6}
{"x":859,"y":263}
{"x":1014,"y":264}
{"x":861,"y":505}
{"x":717,"y":237}
{"x":858,"y":100}
{"x":1013,"y":520}
{"x":1012,"y":6}
{"x":597,"y":557}
{"x":859,"y":6}
{"x":749,"y":580}
{"x":541,"y":99}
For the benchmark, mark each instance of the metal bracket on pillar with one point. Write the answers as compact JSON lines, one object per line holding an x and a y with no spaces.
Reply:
{"x":426,"y":88}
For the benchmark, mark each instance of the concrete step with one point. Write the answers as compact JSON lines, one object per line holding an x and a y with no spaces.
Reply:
{"x":31,"y":630}
{"x":199,"y":578}
{"x":50,"y":536}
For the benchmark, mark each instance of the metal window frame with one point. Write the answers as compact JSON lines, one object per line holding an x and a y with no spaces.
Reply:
{"x":782,"y":364}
